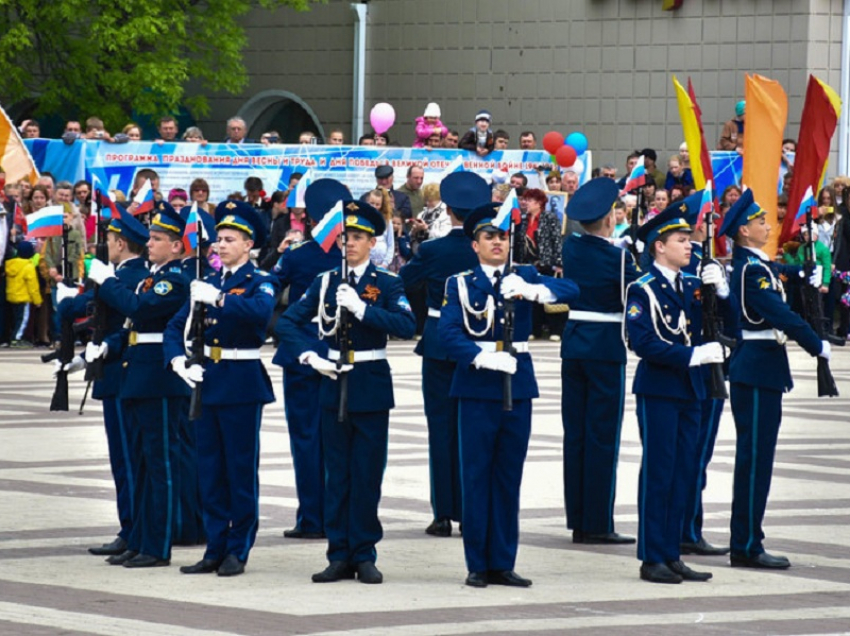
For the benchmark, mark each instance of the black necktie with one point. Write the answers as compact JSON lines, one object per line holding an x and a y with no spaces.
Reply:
{"x":352,"y":279}
{"x":679,"y":289}
{"x":227,"y":276}
{"x":497,"y":279}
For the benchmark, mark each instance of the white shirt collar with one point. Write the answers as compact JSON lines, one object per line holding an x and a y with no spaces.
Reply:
{"x":359,"y":270}
{"x":232,"y":270}
{"x":668,"y":273}
{"x":757,"y":252}
{"x":490,"y":270}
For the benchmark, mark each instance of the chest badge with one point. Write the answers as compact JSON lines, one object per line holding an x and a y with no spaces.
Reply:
{"x":162,"y":287}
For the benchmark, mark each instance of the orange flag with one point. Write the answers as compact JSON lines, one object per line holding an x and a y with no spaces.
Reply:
{"x":767,"y":110}
{"x":14,"y":156}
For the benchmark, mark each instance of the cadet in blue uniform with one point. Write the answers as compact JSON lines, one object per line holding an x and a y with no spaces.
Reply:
{"x":711,"y":410}
{"x":435,"y":261}
{"x":664,"y":321}
{"x":297,"y":268}
{"x":493,"y":441}
{"x":155,"y":399}
{"x":356,"y":448}
{"x":759,"y":374}
{"x":593,"y":366}
{"x":235,"y":386}
{"x":125,"y":239}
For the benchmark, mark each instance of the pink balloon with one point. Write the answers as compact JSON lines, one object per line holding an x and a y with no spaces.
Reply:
{"x":382,"y":117}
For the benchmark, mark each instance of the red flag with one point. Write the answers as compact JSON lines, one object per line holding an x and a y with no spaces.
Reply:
{"x":817,"y":125}
{"x":20,"y":217}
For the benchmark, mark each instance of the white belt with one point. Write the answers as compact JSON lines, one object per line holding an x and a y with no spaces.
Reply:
{"x":433,"y":313}
{"x":766,"y":334}
{"x":499,"y":345}
{"x":137,"y":338}
{"x":217,"y":353}
{"x":359,"y":356}
{"x":595,"y":316}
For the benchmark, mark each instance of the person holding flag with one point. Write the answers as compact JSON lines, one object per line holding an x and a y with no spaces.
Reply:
{"x":236,"y":386}
{"x":494,"y":433}
{"x":296,"y":269}
{"x":593,"y":364}
{"x":433,"y":263}
{"x":63,"y":253}
{"x":354,"y":431}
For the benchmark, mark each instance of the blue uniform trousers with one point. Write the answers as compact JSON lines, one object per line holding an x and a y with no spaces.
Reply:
{"x":120,"y":462}
{"x":710,"y":411}
{"x":758,"y":414}
{"x":493,"y":446}
{"x":154,"y":426}
{"x":355,"y":459}
{"x":228,"y":445}
{"x":303,"y":419}
{"x":189,"y":529}
{"x":669,"y":428}
{"x":443,"y":452}
{"x":592,"y":397}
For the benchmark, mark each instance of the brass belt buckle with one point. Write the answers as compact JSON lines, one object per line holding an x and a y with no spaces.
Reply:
{"x":500,"y":345}
{"x":350,"y":357}
{"x":134,"y":337}
{"x":215,"y":354}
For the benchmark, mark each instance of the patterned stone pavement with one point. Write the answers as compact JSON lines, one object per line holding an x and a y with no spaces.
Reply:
{"x":56,"y":500}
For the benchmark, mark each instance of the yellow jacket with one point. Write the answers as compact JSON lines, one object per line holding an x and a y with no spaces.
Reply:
{"x":22,"y":282}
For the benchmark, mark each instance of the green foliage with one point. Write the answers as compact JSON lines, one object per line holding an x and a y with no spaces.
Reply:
{"x":113,"y":57}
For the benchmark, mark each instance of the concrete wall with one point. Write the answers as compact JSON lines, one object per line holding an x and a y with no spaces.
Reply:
{"x":600,"y":66}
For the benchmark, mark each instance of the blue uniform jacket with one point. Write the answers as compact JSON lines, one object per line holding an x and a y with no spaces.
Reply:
{"x":436,"y":260}
{"x":130,"y":273}
{"x":239,"y":324}
{"x":370,"y":386}
{"x":484,"y":384}
{"x":159,"y":297}
{"x":297,"y":268}
{"x":190,"y":268}
{"x":655,"y":336}
{"x":764,"y":363}
{"x":597,"y":267}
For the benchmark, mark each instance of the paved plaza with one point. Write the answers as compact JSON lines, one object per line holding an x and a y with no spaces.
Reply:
{"x":57,"y":500}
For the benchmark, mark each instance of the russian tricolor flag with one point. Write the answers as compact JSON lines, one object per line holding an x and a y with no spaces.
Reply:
{"x":509,"y":209}
{"x":807,"y":203}
{"x":638,"y":176}
{"x":190,"y":234}
{"x":108,"y":209}
{"x":329,"y":227}
{"x":705,"y":204}
{"x":144,"y":198}
{"x":296,"y":195}
{"x":46,"y":222}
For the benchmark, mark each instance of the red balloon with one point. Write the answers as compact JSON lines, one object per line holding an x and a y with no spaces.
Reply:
{"x":566,"y":156}
{"x":552,"y":141}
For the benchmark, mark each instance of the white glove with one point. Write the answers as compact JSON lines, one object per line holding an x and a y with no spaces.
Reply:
{"x":191,"y":375}
{"x":76,"y":364}
{"x":816,"y":279}
{"x":93,"y":351}
{"x":325,"y":367}
{"x":496,"y":361}
{"x":514,"y":286}
{"x":202,"y":292}
{"x":64,"y":292}
{"x":346,"y":296}
{"x":100,"y":271}
{"x":712,"y":274}
{"x":709,"y":353}
{"x":623,"y":242}
{"x":826,"y":350}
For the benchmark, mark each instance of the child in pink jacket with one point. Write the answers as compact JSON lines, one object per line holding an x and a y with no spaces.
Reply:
{"x":428,"y":124}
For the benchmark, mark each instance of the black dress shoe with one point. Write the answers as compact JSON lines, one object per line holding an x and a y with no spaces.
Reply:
{"x":107,"y":549}
{"x":605,"y":538}
{"x":763,"y":561}
{"x":368,"y":573}
{"x":204,"y":566}
{"x":336,"y":571}
{"x":658,"y":573}
{"x":687,"y":573}
{"x":703,"y":548}
{"x":440,"y":528}
{"x":231,"y":566}
{"x":146,"y":561}
{"x":507,"y":577}
{"x":121,"y":559}
{"x":476,"y":579}
{"x":298,"y":533}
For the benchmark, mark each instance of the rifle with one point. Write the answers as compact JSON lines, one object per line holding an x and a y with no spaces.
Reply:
{"x":65,"y":353}
{"x":508,"y":325}
{"x":94,"y":369}
{"x":712,"y":328}
{"x":342,"y":338}
{"x":199,"y":318}
{"x":633,"y":225}
{"x":813,"y":313}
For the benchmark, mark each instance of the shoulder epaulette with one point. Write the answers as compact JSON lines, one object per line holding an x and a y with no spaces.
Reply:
{"x":386,"y":271}
{"x":687,"y":275}
{"x":754,"y":260}
{"x":261,"y":272}
{"x":645,"y":279}
{"x":466,"y":273}
{"x":295,"y":246}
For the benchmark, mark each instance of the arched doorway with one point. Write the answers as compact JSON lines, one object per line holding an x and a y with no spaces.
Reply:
{"x":282,"y":111}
